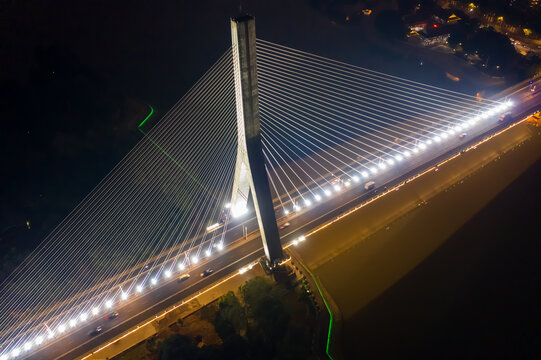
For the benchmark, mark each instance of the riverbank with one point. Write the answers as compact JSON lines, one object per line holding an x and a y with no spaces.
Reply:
{"x":363,"y":257}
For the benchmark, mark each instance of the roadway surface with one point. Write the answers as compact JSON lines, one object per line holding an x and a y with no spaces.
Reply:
{"x":241,"y":250}
{"x":367,"y":260}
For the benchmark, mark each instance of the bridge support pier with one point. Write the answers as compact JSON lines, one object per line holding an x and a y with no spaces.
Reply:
{"x":250,"y":173}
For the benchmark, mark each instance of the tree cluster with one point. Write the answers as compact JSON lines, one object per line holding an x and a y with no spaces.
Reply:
{"x":259,"y":327}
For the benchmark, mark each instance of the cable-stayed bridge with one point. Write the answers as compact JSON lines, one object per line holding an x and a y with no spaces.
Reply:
{"x":329,"y":133}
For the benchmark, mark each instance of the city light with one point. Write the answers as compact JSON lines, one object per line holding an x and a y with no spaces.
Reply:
{"x":153,"y":281}
{"x":4,"y":357}
{"x":399,"y":157}
{"x":374,"y":170}
{"x":139,"y":288}
{"x":83,"y":317}
{"x":307,"y":202}
{"x":437,"y":139}
{"x":390,"y":161}
{"x":220,"y":246}
{"x":407,"y":153}
{"x":72,"y":322}
{"x":168,"y":273}
{"x":207,"y":252}
{"x":382,"y":165}
{"x":286,"y":212}
{"x":28,"y":346}
{"x":317,"y":197}
{"x":327,"y":192}
{"x":302,"y":238}
{"x":95,"y":311}
{"x":337,"y":187}
{"x":422,"y":146}
{"x":39,"y":340}
{"x":364,"y":174}
{"x":297,"y":207}
{"x":181,"y":266}
{"x":109,"y":304}
{"x":61,"y":328}
{"x":195,"y":259}
{"x":124,"y":296}
{"x":355,"y":178}
{"x":16,"y":352}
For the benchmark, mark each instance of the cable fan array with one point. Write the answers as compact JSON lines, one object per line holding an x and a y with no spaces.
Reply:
{"x":327,"y":125}
{"x":153,"y":208}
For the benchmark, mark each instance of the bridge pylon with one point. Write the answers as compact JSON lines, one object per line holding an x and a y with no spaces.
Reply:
{"x":250,"y":173}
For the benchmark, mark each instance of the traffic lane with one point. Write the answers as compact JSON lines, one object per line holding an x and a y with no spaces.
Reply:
{"x":79,"y":342}
{"x":234,"y":236}
{"x":153,"y":302}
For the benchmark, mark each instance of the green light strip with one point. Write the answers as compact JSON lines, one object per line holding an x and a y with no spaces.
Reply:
{"x":169,"y":156}
{"x":148,"y":116}
{"x":326,"y":305}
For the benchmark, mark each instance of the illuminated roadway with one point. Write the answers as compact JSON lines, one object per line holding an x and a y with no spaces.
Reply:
{"x":240,"y":251}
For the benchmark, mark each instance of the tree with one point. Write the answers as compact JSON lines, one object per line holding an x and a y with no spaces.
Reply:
{"x":272,"y":318}
{"x":235,"y":348}
{"x":390,"y":25}
{"x":230,"y":310}
{"x":178,"y":347}
{"x":493,"y":48}
{"x":406,"y":7}
{"x":252,"y":291}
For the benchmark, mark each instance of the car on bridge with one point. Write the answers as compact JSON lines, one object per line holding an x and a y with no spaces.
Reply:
{"x":183,"y":277}
{"x":98,"y":330}
{"x":284,"y":225}
{"x":506,"y":117}
{"x":369,"y":185}
{"x":111,"y":316}
{"x":206,"y":273}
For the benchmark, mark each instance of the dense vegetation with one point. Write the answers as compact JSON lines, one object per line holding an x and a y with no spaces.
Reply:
{"x":267,"y":322}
